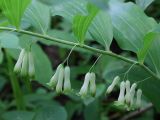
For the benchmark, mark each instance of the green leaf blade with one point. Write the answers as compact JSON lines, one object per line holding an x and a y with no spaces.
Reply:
{"x":81,"y":23}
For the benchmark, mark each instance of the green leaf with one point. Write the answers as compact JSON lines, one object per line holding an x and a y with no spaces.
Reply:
{"x":148,"y":40}
{"x":130,"y":24}
{"x":8,"y":40}
{"x":50,"y":111}
{"x":42,"y":65}
{"x":81,"y":23}
{"x":38,"y":15}
{"x":144,"y":3}
{"x":14,"y":10}
{"x":101,"y":27}
{"x":18,"y":115}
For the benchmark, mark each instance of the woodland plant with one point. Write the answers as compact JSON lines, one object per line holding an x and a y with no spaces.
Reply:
{"x":89,"y":27}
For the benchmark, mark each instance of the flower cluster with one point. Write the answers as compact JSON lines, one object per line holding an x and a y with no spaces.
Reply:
{"x":25,"y":64}
{"x":61,"y":79}
{"x":127,"y":93}
{"x":89,"y":84}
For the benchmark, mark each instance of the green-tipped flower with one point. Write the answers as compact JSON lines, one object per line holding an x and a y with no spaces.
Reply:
{"x":132,"y":93}
{"x":138,"y":100}
{"x":121,"y":97}
{"x":54,"y":79}
{"x":18,"y":66}
{"x":60,"y":80}
{"x":115,"y":81}
{"x":31,"y":71}
{"x":24,"y":69}
{"x":67,"y":83}
{"x":93,"y":84}
{"x":84,"y":88}
{"x":127,"y":85}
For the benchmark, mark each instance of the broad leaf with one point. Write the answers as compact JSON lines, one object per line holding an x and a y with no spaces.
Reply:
{"x":42,"y":65}
{"x":9,"y":40}
{"x":14,"y":10}
{"x":144,"y":3}
{"x":130,"y":27}
{"x":81,"y":23}
{"x":38,"y":15}
{"x":101,"y":24}
{"x":18,"y":115}
{"x":51,"y":111}
{"x":148,"y":40}
{"x":130,"y":24}
{"x":102,"y":29}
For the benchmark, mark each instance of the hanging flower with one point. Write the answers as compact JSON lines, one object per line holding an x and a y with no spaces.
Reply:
{"x":111,"y":87}
{"x":84,"y":88}
{"x":121,"y":97}
{"x":67,"y":83}
{"x":132,"y":93}
{"x":18,"y":66}
{"x":24,"y":69}
{"x":54,"y":79}
{"x":127,"y":96}
{"x":93,"y":84}
{"x":59,"y":85}
{"x":138,"y":100}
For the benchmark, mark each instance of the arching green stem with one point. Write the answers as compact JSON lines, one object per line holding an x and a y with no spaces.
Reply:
{"x":94,"y":50}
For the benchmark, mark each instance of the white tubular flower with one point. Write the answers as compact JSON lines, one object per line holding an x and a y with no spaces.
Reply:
{"x":67,"y":83}
{"x":31,"y":71}
{"x":115,"y":81}
{"x":121,"y":97}
{"x":54,"y":79}
{"x":127,"y":85}
{"x":18,"y":65}
{"x":138,"y":100}
{"x":132,"y":93}
{"x":24,"y":70}
{"x":93,"y":84}
{"x":60,"y":80}
{"x":84,"y":88}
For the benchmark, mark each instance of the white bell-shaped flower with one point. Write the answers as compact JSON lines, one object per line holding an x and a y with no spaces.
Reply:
{"x":132,"y":93}
{"x":18,"y":65}
{"x":93,"y":84}
{"x":111,"y":87}
{"x":59,"y":85}
{"x":127,"y":85}
{"x":67,"y":83}
{"x":84,"y":88}
{"x":53,"y":81}
{"x":121,"y":97}
{"x":138,"y":100}
{"x":24,"y":69}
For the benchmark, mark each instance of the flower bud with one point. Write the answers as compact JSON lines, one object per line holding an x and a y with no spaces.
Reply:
{"x":132,"y":93}
{"x":67,"y":83}
{"x":93,"y":84}
{"x":17,"y":68}
{"x":31,"y":71}
{"x":121,"y":97}
{"x":54,"y":79}
{"x":138,"y":101}
{"x":115,"y":81}
{"x":24,"y":70}
{"x":84,"y":88}
{"x":60,"y":80}
{"x":127,"y":85}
